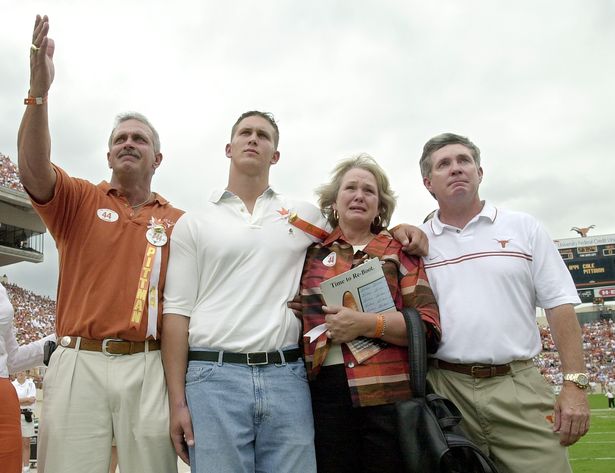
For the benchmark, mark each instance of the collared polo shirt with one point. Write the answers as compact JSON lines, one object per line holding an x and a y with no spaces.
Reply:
{"x":101,"y":243}
{"x":233,"y":272}
{"x":488,"y":279}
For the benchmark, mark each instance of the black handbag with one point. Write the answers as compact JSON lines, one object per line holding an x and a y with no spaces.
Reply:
{"x":430,"y":437}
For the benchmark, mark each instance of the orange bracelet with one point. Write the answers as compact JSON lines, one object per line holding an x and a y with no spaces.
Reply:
{"x":35,"y":100}
{"x":381,"y":325}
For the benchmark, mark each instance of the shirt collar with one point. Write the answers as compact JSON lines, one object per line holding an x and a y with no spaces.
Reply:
{"x":221,"y":194}
{"x":489,"y":212}
{"x":110,"y":190}
{"x":338,"y":235}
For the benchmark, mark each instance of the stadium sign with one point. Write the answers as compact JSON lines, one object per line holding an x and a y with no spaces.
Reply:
{"x":591,"y":262}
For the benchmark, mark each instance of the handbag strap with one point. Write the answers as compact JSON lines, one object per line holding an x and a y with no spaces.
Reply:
{"x":417,"y":351}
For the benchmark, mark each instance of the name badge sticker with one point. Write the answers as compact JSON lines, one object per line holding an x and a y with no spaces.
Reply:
{"x":107,"y":215}
{"x":330,"y":260}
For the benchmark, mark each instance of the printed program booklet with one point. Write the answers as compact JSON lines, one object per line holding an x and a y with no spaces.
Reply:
{"x":363,"y":288}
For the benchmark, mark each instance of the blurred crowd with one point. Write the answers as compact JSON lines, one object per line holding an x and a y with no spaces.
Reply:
{"x":9,"y":177}
{"x":599,"y":346}
{"x":34,"y":315}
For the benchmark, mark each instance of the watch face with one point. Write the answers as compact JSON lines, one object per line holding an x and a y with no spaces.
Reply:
{"x":582,"y":379}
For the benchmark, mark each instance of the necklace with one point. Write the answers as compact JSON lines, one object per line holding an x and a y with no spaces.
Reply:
{"x":149,"y":196}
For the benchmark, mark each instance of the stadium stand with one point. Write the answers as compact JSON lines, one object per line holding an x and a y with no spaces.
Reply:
{"x":599,"y":347}
{"x":9,"y":176}
{"x":34,"y":315}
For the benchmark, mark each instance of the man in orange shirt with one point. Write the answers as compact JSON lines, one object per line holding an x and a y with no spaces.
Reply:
{"x":105,"y":380}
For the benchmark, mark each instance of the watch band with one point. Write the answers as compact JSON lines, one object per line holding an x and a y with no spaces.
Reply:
{"x":580,"y":379}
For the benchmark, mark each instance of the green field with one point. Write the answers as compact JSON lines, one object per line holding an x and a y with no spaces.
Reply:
{"x":595,"y":453}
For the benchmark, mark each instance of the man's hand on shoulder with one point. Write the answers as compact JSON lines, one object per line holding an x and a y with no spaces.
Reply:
{"x":571,"y":414}
{"x":413,"y":239}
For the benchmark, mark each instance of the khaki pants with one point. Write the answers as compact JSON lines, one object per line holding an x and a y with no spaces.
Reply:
{"x":90,"y":398}
{"x":509,"y":417}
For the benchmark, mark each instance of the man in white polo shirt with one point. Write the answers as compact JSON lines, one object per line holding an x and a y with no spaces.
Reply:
{"x":234,"y":266}
{"x":489,"y":269}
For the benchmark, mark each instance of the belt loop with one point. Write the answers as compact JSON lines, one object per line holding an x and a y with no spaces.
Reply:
{"x":78,"y":344}
{"x":282,"y":359}
{"x":220,"y":356}
{"x":146,"y":346}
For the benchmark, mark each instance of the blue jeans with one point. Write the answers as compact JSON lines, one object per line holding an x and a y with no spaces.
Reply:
{"x":250,"y":419}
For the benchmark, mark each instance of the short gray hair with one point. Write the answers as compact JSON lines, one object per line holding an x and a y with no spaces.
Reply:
{"x":441,"y":141}
{"x":122,"y":117}
{"x":327,"y":193}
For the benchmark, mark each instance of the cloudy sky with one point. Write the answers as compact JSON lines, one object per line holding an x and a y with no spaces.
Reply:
{"x":532,"y":83}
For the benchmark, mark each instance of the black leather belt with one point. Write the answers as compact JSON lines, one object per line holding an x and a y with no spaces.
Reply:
{"x":476,"y":370}
{"x":253,"y":358}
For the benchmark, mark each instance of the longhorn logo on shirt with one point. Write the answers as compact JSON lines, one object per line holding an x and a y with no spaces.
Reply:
{"x":503,"y":243}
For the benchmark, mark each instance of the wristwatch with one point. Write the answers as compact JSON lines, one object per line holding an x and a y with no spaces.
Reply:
{"x":580,"y":379}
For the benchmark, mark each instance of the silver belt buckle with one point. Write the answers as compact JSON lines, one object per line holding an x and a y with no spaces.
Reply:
{"x":257,"y":358}
{"x":105,"y":342}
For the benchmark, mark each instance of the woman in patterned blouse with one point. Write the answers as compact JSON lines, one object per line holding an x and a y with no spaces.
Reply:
{"x":354,"y":403}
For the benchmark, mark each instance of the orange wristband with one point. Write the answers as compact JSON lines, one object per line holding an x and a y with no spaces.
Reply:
{"x":35,"y":100}
{"x":381,"y":325}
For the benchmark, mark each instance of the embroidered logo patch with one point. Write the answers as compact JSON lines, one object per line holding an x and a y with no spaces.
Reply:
{"x":503,"y":243}
{"x":107,"y":215}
